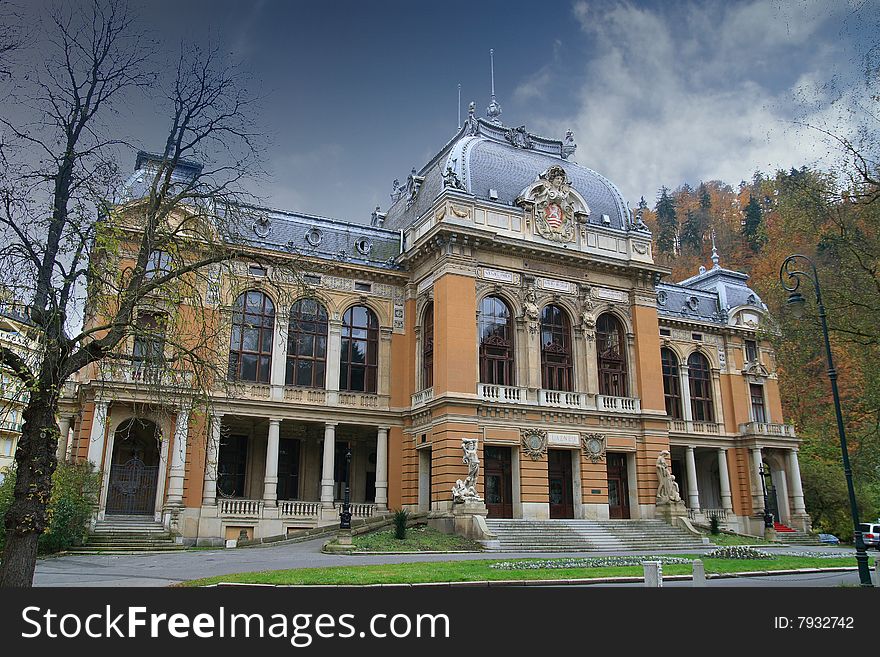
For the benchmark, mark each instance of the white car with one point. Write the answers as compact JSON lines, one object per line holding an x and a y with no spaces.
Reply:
{"x":871,"y":534}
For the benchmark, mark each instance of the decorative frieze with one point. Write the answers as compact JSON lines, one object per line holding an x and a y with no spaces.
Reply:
{"x":593,"y":446}
{"x":534,"y":443}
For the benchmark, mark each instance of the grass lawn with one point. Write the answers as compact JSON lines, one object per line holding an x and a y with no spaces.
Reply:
{"x":418,"y":539}
{"x":479,"y":570}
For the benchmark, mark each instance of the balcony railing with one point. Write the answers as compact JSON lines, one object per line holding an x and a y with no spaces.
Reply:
{"x":694,"y":426}
{"x":241,"y":508}
{"x":7,"y":425}
{"x":707,"y":514}
{"x":305,"y":395}
{"x":562,"y":399}
{"x":145,"y":374}
{"x":239,"y":390}
{"x":422,"y":397}
{"x":359,"y":509}
{"x":299,"y":509}
{"x":501,"y":394}
{"x":618,"y":404}
{"x":767,"y":429}
{"x":362,"y":400}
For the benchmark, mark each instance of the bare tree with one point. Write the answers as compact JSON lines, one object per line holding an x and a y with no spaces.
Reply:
{"x":74,"y":243}
{"x":10,"y":37}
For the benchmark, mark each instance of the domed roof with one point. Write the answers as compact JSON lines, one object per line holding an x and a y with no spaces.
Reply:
{"x":497,"y":163}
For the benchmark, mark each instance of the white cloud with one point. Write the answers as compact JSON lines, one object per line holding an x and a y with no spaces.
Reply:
{"x":696,"y":94}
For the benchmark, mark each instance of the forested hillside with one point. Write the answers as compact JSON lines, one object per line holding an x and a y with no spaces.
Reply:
{"x":833,"y":218}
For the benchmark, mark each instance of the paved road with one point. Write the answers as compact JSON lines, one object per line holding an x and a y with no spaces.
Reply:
{"x":170,"y":568}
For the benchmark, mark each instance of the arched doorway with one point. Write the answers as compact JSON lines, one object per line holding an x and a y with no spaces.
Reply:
{"x":134,"y":469}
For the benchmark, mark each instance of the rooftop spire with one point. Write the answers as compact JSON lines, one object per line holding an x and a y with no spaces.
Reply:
{"x":494,"y":109}
{"x":459,"y":105}
{"x":715,"y":258}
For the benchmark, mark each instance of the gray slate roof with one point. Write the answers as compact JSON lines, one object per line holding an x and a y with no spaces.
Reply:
{"x":707,"y":297}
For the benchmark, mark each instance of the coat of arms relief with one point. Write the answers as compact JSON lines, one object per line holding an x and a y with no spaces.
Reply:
{"x":556,"y":208}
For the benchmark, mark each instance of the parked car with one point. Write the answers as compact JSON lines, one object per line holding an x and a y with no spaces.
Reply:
{"x":829,"y":539}
{"x":871,"y":534}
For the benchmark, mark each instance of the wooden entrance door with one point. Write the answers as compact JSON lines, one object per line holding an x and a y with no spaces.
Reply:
{"x":561,"y":487}
{"x":134,"y":470}
{"x":499,"y":482}
{"x":618,"y":487}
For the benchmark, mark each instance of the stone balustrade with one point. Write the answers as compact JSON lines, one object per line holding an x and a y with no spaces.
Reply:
{"x":299,"y":509}
{"x":240,"y":508}
{"x":767,"y":429}
{"x":501,"y":394}
{"x":562,"y":399}
{"x":695,"y":427}
{"x":422,"y":397}
{"x":606,"y":403}
{"x":305,"y":395}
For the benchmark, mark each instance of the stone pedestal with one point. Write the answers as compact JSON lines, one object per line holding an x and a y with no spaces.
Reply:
{"x":770,"y":534}
{"x":464,"y":519}
{"x":669,"y":511}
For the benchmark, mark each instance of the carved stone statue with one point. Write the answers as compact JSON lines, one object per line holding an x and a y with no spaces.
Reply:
{"x":530,"y":305}
{"x":667,"y":490}
{"x":466,"y":491}
{"x":556,"y":206}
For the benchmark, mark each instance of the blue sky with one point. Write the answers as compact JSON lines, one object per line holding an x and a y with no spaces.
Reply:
{"x":357,"y":93}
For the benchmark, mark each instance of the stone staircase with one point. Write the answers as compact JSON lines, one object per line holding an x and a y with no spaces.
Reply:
{"x":125,"y":534}
{"x":785,"y":534}
{"x":587,"y":536}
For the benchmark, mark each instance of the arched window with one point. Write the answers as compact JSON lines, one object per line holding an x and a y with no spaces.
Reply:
{"x":611,"y":356}
{"x":671,"y":384}
{"x":307,"y":344}
{"x":359,"y":361}
{"x":250,"y":347}
{"x":700,"y":378}
{"x":496,"y":342}
{"x":555,"y":349}
{"x":428,"y":347}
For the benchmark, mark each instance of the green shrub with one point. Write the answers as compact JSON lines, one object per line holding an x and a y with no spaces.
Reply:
{"x":401,"y":517}
{"x":74,"y":497}
{"x":714,"y":525}
{"x":6,"y":489}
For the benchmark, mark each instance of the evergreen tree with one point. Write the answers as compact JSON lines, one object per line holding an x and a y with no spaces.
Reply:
{"x":667,"y":222}
{"x":753,"y":224}
{"x":692,"y":232}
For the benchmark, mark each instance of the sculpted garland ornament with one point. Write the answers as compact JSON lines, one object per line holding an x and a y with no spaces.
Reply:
{"x":534,"y":443}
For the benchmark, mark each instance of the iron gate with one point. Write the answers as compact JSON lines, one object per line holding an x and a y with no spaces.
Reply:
{"x":132,"y":488}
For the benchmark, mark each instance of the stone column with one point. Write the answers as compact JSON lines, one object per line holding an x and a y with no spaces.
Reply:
{"x":693,"y":490}
{"x":382,"y":468}
{"x":383,"y":371}
{"x":327,"y":481}
{"x":278,"y":369}
{"x":212,"y":453}
{"x":716,"y":397}
{"x":97,"y":434}
{"x":687,"y":410}
{"x":724,"y":477}
{"x":178,"y":459}
{"x":591,"y":363}
{"x":63,"y":436}
{"x":757,"y":490}
{"x":334,"y":351}
{"x":797,"y":490}
{"x":270,"y":480}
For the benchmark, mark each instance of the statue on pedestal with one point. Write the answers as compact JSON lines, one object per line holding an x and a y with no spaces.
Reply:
{"x":667,"y":490}
{"x":466,"y":491}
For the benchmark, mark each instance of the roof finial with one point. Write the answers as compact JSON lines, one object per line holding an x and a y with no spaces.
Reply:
{"x":459,"y":105}
{"x":494,"y":109}
{"x":715,"y":258}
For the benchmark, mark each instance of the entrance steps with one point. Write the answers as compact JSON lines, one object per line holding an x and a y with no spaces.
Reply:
{"x":587,"y":535}
{"x":122,"y":534}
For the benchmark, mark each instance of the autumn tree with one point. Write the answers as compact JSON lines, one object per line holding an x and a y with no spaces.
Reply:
{"x":753,"y":223}
{"x":69,"y":235}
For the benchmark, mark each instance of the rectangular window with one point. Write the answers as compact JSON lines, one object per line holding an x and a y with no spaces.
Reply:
{"x":665,"y":332}
{"x":759,"y":412}
{"x":697,"y":336}
{"x":751,"y":351}
{"x":159,"y":264}
{"x":257,"y":270}
{"x":363,"y":287}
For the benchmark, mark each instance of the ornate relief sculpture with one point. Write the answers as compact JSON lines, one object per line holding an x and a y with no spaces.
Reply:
{"x":466,"y":491}
{"x":557,"y":207}
{"x":593,"y":446}
{"x":667,"y":490}
{"x":534,"y":443}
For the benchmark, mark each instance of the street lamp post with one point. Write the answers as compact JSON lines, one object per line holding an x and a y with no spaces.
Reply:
{"x":768,"y":517}
{"x":345,"y":516}
{"x":796,"y":302}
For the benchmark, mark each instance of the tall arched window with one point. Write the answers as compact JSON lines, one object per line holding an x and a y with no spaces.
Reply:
{"x":611,"y":356}
{"x":428,"y":347}
{"x":700,"y":378}
{"x":307,"y":344}
{"x":671,"y":384}
{"x":359,"y":360}
{"x":250,"y":347}
{"x":556,"y":370}
{"x":496,"y":342}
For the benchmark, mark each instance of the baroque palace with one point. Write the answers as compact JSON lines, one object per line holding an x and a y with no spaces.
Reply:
{"x":507,"y":296}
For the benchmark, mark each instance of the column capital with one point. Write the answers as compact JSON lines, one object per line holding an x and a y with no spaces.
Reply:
{"x":382,"y":427}
{"x":275,"y":420}
{"x":330,"y":424}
